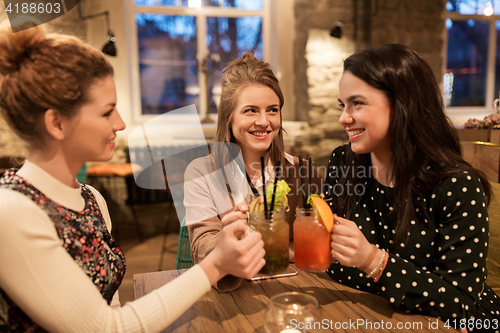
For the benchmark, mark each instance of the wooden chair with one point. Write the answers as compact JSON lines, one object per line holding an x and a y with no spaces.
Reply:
{"x":7,"y":162}
{"x":184,"y":259}
{"x":493,"y":260}
{"x":167,"y":170}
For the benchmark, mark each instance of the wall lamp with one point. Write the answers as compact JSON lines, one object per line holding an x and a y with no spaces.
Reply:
{"x":109,"y":48}
{"x":337,"y":29}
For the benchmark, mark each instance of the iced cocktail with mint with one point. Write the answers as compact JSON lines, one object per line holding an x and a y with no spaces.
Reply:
{"x":274,"y":229}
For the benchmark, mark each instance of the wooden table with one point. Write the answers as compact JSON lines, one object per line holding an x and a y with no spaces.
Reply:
{"x":343,"y":309}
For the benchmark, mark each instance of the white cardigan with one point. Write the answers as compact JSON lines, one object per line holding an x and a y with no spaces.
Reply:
{"x":39,"y":275}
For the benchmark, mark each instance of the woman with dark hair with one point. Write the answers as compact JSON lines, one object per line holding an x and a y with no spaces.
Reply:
{"x":412,"y":220}
{"x":60,"y":267}
{"x":249,"y":122}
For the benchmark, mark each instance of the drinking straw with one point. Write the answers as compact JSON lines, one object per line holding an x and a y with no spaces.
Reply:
{"x":256,"y":193}
{"x":302,"y":183}
{"x":309,"y":172}
{"x":274,"y":188}
{"x":266,"y":214}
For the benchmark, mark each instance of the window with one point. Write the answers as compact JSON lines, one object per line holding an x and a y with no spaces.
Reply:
{"x":472,"y":78}
{"x":183,"y":45}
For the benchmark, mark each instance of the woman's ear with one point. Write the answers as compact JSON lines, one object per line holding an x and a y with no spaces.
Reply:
{"x":54,"y":124}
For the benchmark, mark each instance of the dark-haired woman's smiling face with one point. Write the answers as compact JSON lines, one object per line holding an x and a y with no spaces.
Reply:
{"x":366,"y":115}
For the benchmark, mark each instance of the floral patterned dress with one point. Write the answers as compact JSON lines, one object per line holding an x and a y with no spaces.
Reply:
{"x":85,"y":237}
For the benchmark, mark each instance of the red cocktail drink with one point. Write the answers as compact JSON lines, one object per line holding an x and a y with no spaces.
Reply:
{"x":311,"y":241}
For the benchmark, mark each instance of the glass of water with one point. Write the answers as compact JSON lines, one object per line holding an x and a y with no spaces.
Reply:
{"x":292,"y":312}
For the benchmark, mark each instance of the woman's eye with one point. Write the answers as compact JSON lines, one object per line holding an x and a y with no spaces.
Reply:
{"x":107,"y":114}
{"x":249,"y":111}
{"x":356,"y":103}
{"x":274,"y":110}
{"x":341,"y":106}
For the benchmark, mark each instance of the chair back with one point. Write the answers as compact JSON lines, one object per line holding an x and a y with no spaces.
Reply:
{"x":7,"y":162}
{"x":184,"y":259}
{"x":493,"y":259}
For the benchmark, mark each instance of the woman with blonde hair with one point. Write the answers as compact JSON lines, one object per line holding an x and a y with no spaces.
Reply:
{"x":60,"y":267}
{"x":249,"y":123}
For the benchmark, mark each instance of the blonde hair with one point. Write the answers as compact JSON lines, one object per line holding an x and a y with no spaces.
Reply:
{"x":40,"y":71}
{"x":238,"y":74}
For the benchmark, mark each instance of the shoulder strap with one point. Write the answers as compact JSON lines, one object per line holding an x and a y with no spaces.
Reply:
{"x":225,"y":181}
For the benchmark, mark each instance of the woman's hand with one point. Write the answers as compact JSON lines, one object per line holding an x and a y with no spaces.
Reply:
{"x":349,"y":246}
{"x":239,"y":257}
{"x":240,"y":212}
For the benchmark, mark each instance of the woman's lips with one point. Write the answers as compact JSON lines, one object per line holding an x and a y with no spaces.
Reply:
{"x":260,"y":135}
{"x":354,"y":134}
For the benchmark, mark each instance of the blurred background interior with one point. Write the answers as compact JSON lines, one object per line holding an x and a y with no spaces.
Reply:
{"x":169,"y":54}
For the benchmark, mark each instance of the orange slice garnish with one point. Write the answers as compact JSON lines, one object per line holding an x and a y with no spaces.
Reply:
{"x":324,"y":211}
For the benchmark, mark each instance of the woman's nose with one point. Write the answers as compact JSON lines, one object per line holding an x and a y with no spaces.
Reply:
{"x":345,"y":118}
{"x":119,"y":124}
{"x":262,"y":119}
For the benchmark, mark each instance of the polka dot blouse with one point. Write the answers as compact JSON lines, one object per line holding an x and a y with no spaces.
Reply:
{"x":441,"y":268}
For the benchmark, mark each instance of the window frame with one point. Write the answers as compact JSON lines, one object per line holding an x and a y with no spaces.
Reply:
{"x":462,"y":112}
{"x":201,"y":13}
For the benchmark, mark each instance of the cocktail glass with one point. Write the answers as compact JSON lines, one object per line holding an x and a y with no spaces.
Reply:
{"x":276,"y":236}
{"x":311,"y":241}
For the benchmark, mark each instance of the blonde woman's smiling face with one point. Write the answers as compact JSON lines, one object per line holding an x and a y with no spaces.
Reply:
{"x":256,"y":119}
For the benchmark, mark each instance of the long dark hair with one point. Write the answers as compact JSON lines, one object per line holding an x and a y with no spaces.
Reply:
{"x":425,"y":146}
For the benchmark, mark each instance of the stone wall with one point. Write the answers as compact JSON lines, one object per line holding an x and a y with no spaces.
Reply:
{"x":417,"y":24}
{"x":318,"y":56}
{"x":318,"y":63}
{"x":70,"y":23}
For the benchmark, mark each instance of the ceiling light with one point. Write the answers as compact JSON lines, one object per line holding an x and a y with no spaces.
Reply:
{"x":194,"y":3}
{"x":488,"y":10}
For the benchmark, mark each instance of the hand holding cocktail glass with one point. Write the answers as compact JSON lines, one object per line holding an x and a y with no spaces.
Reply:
{"x":350,"y":247}
{"x":240,"y":212}
{"x":245,"y":254}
